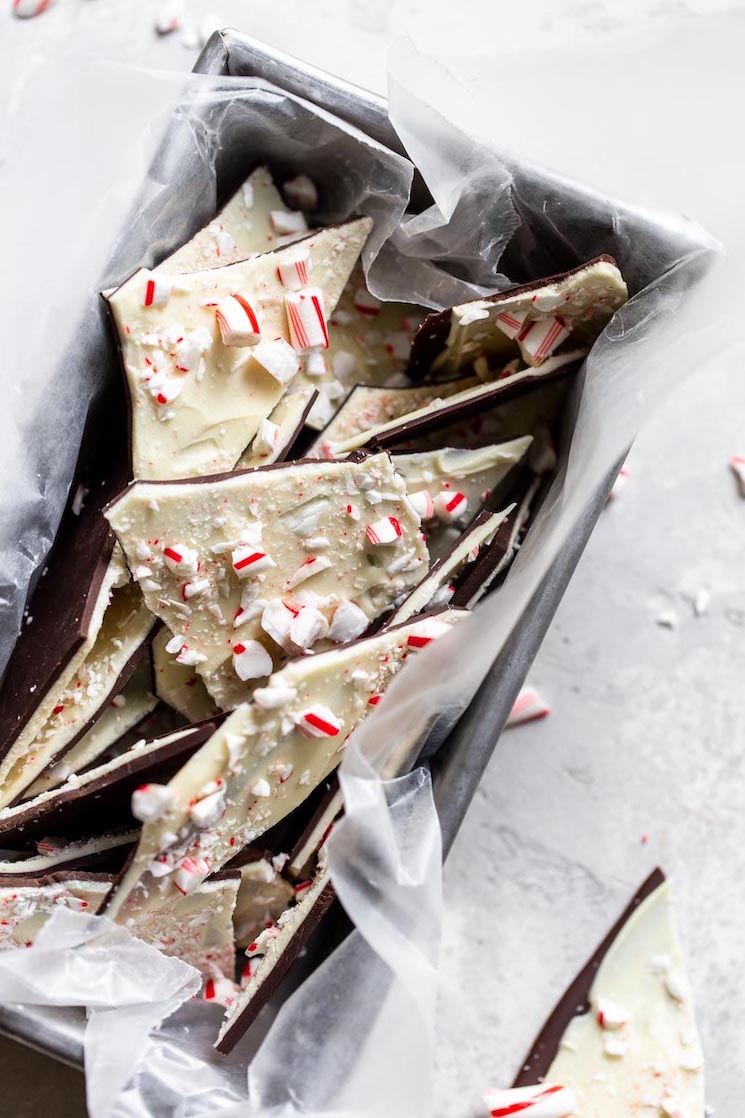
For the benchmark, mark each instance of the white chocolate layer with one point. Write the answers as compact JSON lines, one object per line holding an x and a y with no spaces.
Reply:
{"x":212,"y":396}
{"x":653,"y":1064}
{"x":25,"y":909}
{"x":263,"y":896}
{"x":263,"y":761}
{"x":56,"y":857}
{"x":291,"y":514}
{"x":288,"y":419}
{"x":178,"y":684}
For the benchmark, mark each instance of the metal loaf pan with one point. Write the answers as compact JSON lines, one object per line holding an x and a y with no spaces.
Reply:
{"x":540,"y":247}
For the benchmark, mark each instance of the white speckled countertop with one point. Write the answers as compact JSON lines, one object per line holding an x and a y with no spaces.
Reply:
{"x":562,"y":828}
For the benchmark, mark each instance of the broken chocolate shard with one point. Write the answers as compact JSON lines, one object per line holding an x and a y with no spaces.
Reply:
{"x":278,"y":434}
{"x":575,"y":1000}
{"x":498,"y":327}
{"x":316,"y":831}
{"x":100,"y":798}
{"x":104,"y":853}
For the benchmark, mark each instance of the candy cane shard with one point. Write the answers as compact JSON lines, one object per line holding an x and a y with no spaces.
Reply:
{"x":367,"y":407}
{"x":634,"y":1046}
{"x":262,"y":762}
{"x":178,"y":685}
{"x":435,"y":589}
{"x":529,"y":706}
{"x":448,"y":487}
{"x":79,"y":698}
{"x":272,"y":954}
{"x":242,"y":227}
{"x":545,"y":1100}
{"x":443,"y":411}
{"x":252,"y":532}
{"x":737,"y":465}
{"x":277,"y":434}
{"x":133,"y":703}
{"x":262,"y":896}
{"x":101,"y":796}
{"x":198,"y":385}
{"x":533,"y":322}
{"x":55,"y":855}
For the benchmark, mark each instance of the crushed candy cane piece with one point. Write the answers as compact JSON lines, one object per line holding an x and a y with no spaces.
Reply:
{"x":539,"y":339}
{"x":247,"y":561}
{"x":209,"y":806}
{"x":196,"y":588}
{"x":301,"y":192}
{"x":737,"y":465}
{"x":366,"y":303}
{"x":614,"y":1046}
{"x":266,"y":438}
{"x":312,"y":566}
{"x":261,"y":789}
{"x":251,"y":660}
{"x":611,"y":1015}
{"x":293,"y":273}
{"x":319,"y":722}
{"x":308,"y":626}
{"x":150,"y":802}
{"x":450,"y":506}
{"x":422,"y":504}
{"x":544,"y":1100}
{"x":286,"y":223}
{"x":190,"y":874}
{"x":427,"y":631}
{"x":348,"y":623}
{"x":278,"y":358}
{"x":529,"y":706}
{"x":316,"y":364}
{"x":179,"y":558}
{"x":221,"y":990}
{"x":306,"y":317}
{"x":238,"y":322}
{"x":157,"y":291}
{"x":511,"y":322}
{"x":385,"y":531}
{"x":274,"y":696}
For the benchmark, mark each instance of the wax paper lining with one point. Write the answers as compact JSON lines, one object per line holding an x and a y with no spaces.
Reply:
{"x":357,"y":1038}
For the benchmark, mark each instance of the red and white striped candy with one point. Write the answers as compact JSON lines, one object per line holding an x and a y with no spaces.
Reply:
{"x":187,"y":353}
{"x":293,"y":273}
{"x":190,"y":874}
{"x":194,"y":589}
{"x":366,"y":303}
{"x":238,"y":321}
{"x":450,"y":506}
{"x":422,"y":504}
{"x":251,"y":660}
{"x":301,"y":192}
{"x":511,"y":322}
{"x":316,"y":364}
{"x":312,"y":566}
{"x":157,"y":291}
{"x":26,"y":9}
{"x":221,"y":990}
{"x":737,"y":465}
{"x":247,"y":561}
{"x":545,"y":1100}
{"x":427,"y":631}
{"x":308,"y":626}
{"x":528,"y":707}
{"x":319,"y":722}
{"x":180,"y":558}
{"x":385,"y":531}
{"x":276,"y":618}
{"x":306,"y":317}
{"x":611,"y":1015}
{"x":250,"y":969}
{"x":266,"y":438}
{"x":278,"y":358}
{"x":539,"y":339}
{"x":163,"y":389}
{"x":348,"y":623}
{"x":301,"y":889}
{"x":151,"y":801}
{"x":209,"y":805}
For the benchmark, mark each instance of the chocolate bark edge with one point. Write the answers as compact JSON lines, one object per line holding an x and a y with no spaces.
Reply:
{"x":432,"y":335}
{"x":242,"y":1021}
{"x":574,"y":1002}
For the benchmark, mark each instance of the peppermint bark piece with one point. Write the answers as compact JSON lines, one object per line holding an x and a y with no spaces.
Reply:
{"x":243,"y":227}
{"x":250,"y":567}
{"x":443,"y":412}
{"x":99,"y":670}
{"x":27,"y":904}
{"x":261,"y":763}
{"x":277,"y":434}
{"x":533,"y":323}
{"x":273,"y":953}
{"x":101,"y":797}
{"x":495,"y":557}
{"x":208,"y":355}
{"x":448,"y":487}
{"x":367,"y":408}
{"x":436,"y":589}
{"x":133,"y":703}
{"x":634,"y":1046}
{"x":316,"y":832}
{"x":56,"y":855}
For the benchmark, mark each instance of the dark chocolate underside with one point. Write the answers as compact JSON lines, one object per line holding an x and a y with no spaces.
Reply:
{"x":242,"y":1021}
{"x":64,"y":598}
{"x":104,"y":803}
{"x":575,"y":999}
{"x":431,"y":337}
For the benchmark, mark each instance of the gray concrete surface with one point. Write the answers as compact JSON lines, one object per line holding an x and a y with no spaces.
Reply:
{"x":569,"y":815}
